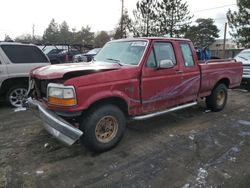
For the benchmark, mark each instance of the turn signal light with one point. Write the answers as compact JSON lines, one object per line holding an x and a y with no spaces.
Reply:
{"x":62,"y":101}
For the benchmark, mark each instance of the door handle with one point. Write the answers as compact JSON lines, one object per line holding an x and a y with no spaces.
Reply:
{"x":179,"y":71}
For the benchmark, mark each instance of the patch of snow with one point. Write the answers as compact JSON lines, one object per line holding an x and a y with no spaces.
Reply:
{"x":244,"y":122}
{"x":233,"y":159}
{"x":201,"y":177}
{"x":19,"y":109}
{"x":39,"y":172}
{"x":46,"y":145}
{"x":242,"y":133}
{"x":207,"y":111}
{"x":191,"y":137}
{"x":186,"y":185}
{"x":227,"y":176}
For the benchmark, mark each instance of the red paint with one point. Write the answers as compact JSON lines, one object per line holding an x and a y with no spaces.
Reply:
{"x":144,"y":89}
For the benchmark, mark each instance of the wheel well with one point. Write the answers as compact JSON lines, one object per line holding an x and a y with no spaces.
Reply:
{"x":119,"y":102}
{"x":224,"y":81}
{"x":7,"y":84}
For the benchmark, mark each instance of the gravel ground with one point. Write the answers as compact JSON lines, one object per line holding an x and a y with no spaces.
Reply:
{"x":188,"y":148}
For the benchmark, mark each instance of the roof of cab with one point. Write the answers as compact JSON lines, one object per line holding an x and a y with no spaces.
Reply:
{"x":152,"y":38}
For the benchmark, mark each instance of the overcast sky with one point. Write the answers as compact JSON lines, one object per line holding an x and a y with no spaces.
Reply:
{"x":18,"y":16}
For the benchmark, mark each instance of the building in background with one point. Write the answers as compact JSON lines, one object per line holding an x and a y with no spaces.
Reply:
{"x":231,"y":48}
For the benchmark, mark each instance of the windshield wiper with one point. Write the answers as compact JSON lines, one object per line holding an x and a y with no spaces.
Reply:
{"x":115,"y":60}
{"x":243,"y":58}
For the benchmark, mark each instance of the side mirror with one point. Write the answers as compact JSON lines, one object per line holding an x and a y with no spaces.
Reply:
{"x":166,"y":64}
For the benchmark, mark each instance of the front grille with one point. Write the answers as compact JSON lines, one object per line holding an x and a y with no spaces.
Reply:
{"x":41,"y":88}
{"x":246,"y":66}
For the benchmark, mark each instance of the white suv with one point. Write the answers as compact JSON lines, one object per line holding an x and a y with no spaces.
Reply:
{"x":244,"y":57}
{"x":16,"y":61}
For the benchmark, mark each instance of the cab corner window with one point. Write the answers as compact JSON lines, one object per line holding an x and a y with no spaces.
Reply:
{"x":187,"y":55}
{"x":160,"y":51}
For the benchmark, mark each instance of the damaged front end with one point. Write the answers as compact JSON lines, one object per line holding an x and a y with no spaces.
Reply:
{"x":53,"y":123}
{"x":50,"y":98}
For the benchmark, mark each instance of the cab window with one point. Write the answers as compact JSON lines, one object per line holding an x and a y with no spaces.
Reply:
{"x":187,"y":55}
{"x":160,"y":51}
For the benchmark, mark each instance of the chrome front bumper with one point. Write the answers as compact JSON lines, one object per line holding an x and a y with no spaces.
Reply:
{"x":54,"y":124}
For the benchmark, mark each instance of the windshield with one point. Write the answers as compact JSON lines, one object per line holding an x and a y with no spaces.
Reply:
{"x":245,"y":55}
{"x":123,"y":52}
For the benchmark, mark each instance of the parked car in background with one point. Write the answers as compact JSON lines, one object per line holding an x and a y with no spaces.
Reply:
{"x":86,"y":57}
{"x":53,"y":52}
{"x":16,"y":61}
{"x":244,"y":57}
{"x":63,"y":56}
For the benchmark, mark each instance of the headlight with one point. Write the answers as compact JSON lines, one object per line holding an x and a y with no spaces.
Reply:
{"x":59,"y":94}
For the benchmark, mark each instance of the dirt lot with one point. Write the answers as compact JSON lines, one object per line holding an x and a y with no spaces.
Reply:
{"x":189,"y":148}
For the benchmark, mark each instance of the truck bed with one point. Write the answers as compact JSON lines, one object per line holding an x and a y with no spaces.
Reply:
{"x":213,"y":71}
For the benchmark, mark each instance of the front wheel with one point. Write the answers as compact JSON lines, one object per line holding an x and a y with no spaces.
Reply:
{"x":218,"y":98}
{"x":103,"y":127}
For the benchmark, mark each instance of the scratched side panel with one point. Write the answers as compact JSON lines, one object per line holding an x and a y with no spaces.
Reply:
{"x":122,"y":83}
{"x":160,"y":89}
{"x":214,"y":72}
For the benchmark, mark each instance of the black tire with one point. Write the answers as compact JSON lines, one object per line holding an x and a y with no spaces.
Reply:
{"x":99,"y":123}
{"x":218,"y":98}
{"x":16,"y":95}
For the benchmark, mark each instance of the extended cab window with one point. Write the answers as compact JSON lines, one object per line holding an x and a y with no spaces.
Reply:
{"x":187,"y":55}
{"x":24,"y":54}
{"x":160,"y":51}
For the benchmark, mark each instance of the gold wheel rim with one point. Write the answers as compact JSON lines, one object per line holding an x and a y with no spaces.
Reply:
{"x":221,"y":98}
{"x":106,"y":129}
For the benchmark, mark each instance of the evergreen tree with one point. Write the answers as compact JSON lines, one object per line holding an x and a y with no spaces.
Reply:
{"x":203,"y":33}
{"x":85,"y":36}
{"x":239,"y":22}
{"x":51,"y":34}
{"x":101,"y":39}
{"x":65,"y":36}
{"x":7,"y":38}
{"x":144,"y":24}
{"x":127,"y":27}
{"x":174,"y":17}
{"x":27,"y":38}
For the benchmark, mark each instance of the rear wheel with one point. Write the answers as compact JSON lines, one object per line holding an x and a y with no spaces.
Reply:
{"x":218,"y":98}
{"x":16,"y":95}
{"x":103,"y":128}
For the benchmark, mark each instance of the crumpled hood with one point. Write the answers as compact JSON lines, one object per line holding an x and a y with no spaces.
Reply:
{"x":60,"y":70}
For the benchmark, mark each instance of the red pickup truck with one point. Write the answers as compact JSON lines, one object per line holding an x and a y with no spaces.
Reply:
{"x":128,"y":79}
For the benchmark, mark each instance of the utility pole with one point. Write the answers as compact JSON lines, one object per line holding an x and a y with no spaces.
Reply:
{"x":33,"y":33}
{"x":122,"y":18}
{"x":224,"y":41}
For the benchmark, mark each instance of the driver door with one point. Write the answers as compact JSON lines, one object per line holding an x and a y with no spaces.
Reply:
{"x":160,"y":85}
